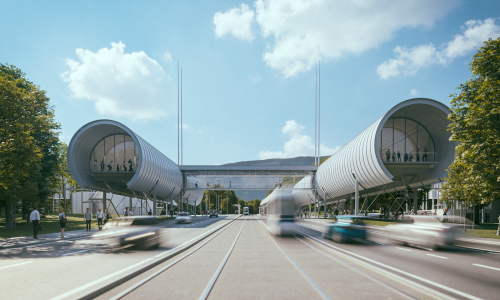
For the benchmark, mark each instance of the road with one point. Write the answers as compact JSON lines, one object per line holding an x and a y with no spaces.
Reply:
{"x":235,"y":257}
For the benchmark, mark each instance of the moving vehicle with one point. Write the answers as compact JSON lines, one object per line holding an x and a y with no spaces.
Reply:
{"x":345,"y":229}
{"x":281,"y":226}
{"x":426,"y":231}
{"x":183,"y":217}
{"x":245,"y":211}
{"x":142,"y":231}
{"x":214,"y":213}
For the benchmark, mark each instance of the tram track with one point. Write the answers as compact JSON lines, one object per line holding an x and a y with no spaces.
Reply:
{"x":141,"y":267}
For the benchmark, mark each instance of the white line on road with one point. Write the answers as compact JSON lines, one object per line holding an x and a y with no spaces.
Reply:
{"x":488,"y":267}
{"x":16,"y":265}
{"x":403,"y":249}
{"x":105,"y":278}
{"x":74,"y":252}
{"x":438,"y":256}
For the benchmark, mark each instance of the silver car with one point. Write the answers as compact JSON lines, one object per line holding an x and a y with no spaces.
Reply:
{"x":427,"y":231}
{"x":183,"y":217}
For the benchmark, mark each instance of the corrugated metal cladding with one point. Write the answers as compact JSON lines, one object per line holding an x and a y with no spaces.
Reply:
{"x":360,"y":156}
{"x":153,"y":165}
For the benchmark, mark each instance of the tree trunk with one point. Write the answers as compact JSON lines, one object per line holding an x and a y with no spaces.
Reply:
{"x":9,"y":216}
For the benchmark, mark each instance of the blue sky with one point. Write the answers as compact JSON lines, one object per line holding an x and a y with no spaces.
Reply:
{"x":248,"y":67}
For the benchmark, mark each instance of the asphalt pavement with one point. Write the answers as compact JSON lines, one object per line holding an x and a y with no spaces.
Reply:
{"x":235,"y":257}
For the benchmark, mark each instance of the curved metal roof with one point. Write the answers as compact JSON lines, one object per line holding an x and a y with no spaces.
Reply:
{"x":153,"y":165}
{"x":360,"y":157}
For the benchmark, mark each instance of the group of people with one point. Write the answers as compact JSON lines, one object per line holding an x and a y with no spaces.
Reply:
{"x":118,"y":168}
{"x":102,"y":219}
{"x":406,"y":157}
{"x":217,"y":184}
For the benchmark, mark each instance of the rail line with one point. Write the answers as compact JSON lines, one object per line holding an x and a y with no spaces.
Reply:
{"x":151,"y":263}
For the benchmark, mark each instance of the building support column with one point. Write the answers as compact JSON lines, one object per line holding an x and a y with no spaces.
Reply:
{"x":356,"y":198}
{"x":415,"y":201}
{"x":309,"y":208}
{"x":154,"y":201}
{"x":350,"y":204}
{"x":324,"y":205}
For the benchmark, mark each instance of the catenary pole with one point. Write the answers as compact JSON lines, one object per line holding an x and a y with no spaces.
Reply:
{"x":316,"y":118}
{"x":182,"y":124}
{"x":178,"y":107}
{"x":319,"y":113}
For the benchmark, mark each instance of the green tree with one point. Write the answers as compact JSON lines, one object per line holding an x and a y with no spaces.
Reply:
{"x":28,"y":143}
{"x":474,"y":176}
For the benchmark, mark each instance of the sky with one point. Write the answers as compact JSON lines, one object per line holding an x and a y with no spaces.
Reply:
{"x":248,"y":68}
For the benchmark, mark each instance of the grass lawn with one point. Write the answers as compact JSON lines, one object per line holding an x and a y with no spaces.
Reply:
{"x":482,"y":231}
{"x":50,"y":224}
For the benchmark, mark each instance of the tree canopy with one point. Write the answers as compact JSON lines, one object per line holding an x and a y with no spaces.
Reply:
{"x":474,"y":176}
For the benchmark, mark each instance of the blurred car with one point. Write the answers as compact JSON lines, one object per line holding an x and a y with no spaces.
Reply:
{"x":345,"y":229}
{"x":281,"y":225}
{"x":142,"y":231}
{"x":214,"y":213}
{"x":427,"y":231}
{"x":183,"y":217}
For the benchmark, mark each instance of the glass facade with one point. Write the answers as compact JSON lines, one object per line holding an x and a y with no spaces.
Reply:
{"x":404,"y":140}
{"x":114,"y":153}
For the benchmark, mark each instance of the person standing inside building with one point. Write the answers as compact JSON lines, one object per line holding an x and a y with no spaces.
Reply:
{"x":406,"y":157}
{"x":35,"y":220}
{"x":88,"y":219}
{"x":110,"y":166}
{"x":100,"y":216}
{"x":130,"y":169}
{"x":95,"y":165}
{"x":388,"y":155}
{"x":393,"y":156}
{"x":399,"y":156}
{"x":125,"y":213}
{"x":131,"y":213}
{"x":62,"y":222}
{"x":150,"y":213}
{"x":124,"y":167}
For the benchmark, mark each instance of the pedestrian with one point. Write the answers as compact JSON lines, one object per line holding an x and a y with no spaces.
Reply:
{"x":393,"y":156}
{"x":117,"y":167}
{"x":399,"y":156}
{"x":130,"y":169}
{"x":95,"y":165}
{"x":424,"y":157}
{"x":34,"y":217}
{"x":131,"y":213}
{"x":110,"y":166}
{"x":411,"y":157}
{"x":412,"y":212}
{"x":196,"y":184}
{"x":406,"y":157}
{"x":418,"y":156}
{"x":99,"y":216}
{"x":102,"y":165}
{"x":88,"y":219}
{"x":125,"y":213}
{"x":124,"y":167}
{"x":150,"y":213}
{"x":171,"y":213}
{"x":107,"y":216}
{"x":388,"y":155}
{"x":62,"y":222}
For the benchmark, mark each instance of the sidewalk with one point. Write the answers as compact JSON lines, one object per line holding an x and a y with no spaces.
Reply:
{"x":23,"y":241}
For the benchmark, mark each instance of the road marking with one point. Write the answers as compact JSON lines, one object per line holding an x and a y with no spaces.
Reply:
{"x":403,"y":249}
{"x":74,"y":252}
{"x":438,"y":256}
{"x":16,"y":265}
{"x":488,"y":267}
{"x":105,"y":278}
{"x":430,"y":282}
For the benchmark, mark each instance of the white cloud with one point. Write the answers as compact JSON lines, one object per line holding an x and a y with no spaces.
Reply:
{"x":304,"y":32}
{"x":299,"y":144}
{"x":236,"y":21}
{"x":121,"y":84}
{"x":167,"y":57}
{"x":409,"y":61}
{"x":255,"y":78}
{"x":413,"y":92}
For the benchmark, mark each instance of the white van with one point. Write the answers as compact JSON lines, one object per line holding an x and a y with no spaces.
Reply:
{"x":245,"y":211}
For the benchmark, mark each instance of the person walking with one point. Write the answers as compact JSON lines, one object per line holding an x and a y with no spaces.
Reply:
{"x":124,"y":167}
{"x":35,"y":220}
{"x":131,"y":212}
{"x":130,"y":169}
{"x":110,"y":166}
{"x":125,"y":213}
{"x":196,"y":184}
{"x":99,"y":216}
{"x":399,"y":156}
{"x":388,"y":155}
{"x":393,"y":156}
{"x":62,"y":222}
{"x":150,"y":213}
{"x":88,"y":219}
{"x":107,"y":216}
